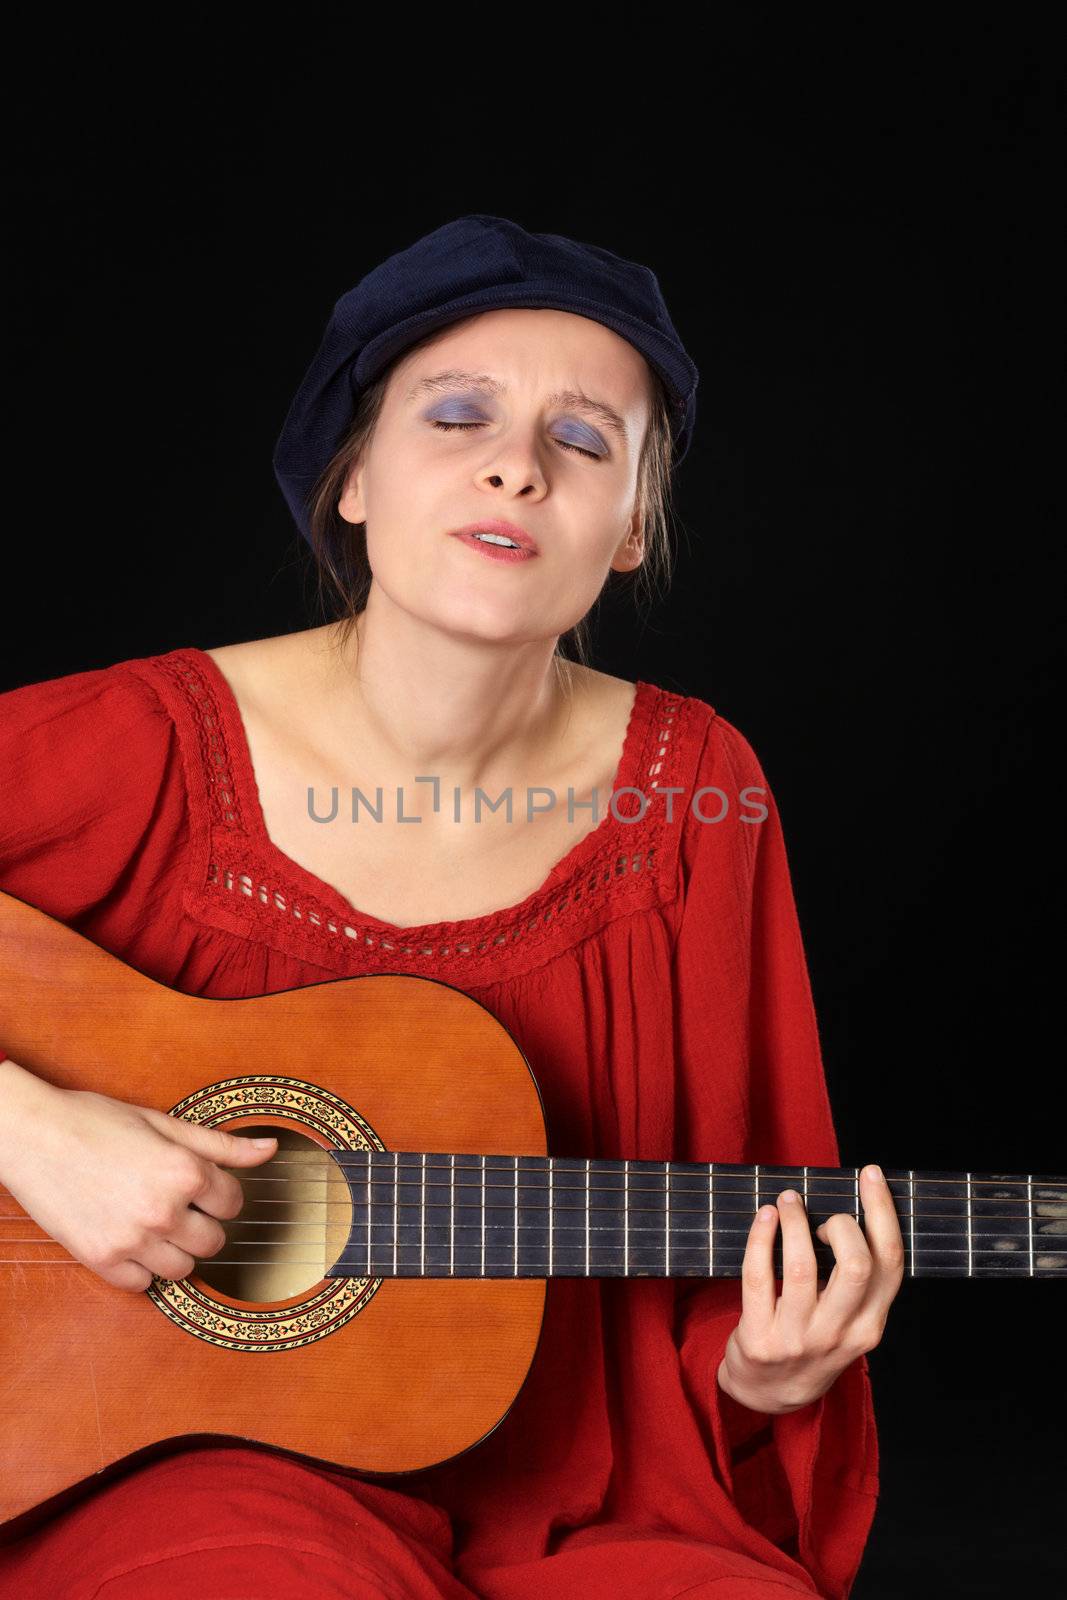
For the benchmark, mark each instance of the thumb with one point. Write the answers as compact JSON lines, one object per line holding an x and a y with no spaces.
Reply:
{"x":227,"y":1149}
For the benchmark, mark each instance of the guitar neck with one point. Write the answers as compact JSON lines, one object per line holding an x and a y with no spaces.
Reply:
{"x":433,"y":1214}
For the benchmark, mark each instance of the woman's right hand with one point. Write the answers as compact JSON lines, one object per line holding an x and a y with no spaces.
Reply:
{"x":131,"y":1192}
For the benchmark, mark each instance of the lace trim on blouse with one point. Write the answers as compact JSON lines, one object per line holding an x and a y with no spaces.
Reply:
{"x":243,"y":874}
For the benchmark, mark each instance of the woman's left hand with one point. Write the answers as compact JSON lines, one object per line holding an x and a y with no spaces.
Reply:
{"x":786,"y":1351}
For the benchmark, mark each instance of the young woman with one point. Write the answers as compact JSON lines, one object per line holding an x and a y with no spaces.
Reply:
{"x":674,"y":1436}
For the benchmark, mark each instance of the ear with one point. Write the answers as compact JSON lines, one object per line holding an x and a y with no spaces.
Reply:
{"x":630,"y":551}
{"x":350,"y":501}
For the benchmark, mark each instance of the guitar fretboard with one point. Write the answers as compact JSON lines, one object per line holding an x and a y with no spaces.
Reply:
{"x":434,"y":1215}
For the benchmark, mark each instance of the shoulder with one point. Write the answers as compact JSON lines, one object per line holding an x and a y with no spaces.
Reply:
{"x":685,"y":743}
{"x":725,"y":748}
{"x":258,"y":670}
{"x":722,"y":793}
{"x":108,"y":729}
{"x":603,"y":702}
{"x":90,"y":780}
{"x":113,"y":697}
{"x":706,"y":744}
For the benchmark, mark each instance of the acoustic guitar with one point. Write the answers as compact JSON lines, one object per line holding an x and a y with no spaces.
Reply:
{"x":379,"y":1301}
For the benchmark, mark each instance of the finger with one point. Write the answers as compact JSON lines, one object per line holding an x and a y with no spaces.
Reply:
{"x":800,"y":1270}
{"x":882,"y":1227}
{"x":221,"y":1195}
{"x":165,"y":1260}
{"x":849,"y":1282}
{"x":201,"y":1236}
{"x":128,"y":1275}
{"x":759,"y":1291}
{"x":228,"y":1149}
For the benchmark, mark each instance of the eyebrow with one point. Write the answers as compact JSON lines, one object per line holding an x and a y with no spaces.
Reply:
{"x":574,"y":399}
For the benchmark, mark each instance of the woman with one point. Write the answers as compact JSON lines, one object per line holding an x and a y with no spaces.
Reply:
{"x":673,"y":1436}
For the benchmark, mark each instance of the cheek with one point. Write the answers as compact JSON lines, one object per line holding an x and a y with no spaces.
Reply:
{"x":401,"y":516}
{"x":601,"y":544}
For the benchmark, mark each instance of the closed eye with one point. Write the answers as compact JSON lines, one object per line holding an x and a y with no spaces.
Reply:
{"x":448,"y":426}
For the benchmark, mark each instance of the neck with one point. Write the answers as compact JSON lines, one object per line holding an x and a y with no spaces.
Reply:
{"x":429,"y":702}
{"x":434,"y":1214}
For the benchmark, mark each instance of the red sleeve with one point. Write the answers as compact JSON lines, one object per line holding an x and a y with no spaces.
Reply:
{"x":86,"y":764}
{"x":752,"y":1088}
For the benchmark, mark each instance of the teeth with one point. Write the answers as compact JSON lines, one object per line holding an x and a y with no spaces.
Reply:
{"x":496,"y":538}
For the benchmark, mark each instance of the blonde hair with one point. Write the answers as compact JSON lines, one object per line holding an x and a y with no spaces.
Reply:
{"x":339,"y":547}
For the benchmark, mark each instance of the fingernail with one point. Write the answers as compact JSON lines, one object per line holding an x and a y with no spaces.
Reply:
{"x":790,"y":1195}
{"x":767,"y":1213}
{"x":874,"y":1173}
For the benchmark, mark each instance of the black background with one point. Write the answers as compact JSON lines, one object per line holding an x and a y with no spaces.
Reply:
{"x":859,"y":233}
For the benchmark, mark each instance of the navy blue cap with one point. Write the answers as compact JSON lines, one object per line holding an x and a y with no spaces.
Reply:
{"x":476,"y":263}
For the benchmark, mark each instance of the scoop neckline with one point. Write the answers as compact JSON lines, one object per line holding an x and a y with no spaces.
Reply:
{"x":255,"y":822}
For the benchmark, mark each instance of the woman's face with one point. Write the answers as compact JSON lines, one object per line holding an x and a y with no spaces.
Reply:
{"x":556,"y":469}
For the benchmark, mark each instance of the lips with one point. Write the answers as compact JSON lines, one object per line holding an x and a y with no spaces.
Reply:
{"x":506,"y":530}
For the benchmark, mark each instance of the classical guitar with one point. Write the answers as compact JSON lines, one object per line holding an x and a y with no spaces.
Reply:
{"x":398,"y":1244}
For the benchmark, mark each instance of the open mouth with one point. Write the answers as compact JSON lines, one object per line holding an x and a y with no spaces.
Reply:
{"x":496,"y":546}
{"x":496,"y":538}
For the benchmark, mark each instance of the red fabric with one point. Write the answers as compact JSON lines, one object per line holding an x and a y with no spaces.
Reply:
{"x":665,"y":1009}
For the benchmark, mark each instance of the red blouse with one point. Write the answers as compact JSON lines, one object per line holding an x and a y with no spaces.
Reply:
{"x":657,"y":985}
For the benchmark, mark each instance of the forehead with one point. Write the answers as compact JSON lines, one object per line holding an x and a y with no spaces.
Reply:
{"x":537,"y":347}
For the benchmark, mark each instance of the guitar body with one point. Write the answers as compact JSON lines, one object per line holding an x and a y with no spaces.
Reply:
{"x":380,"y":1375}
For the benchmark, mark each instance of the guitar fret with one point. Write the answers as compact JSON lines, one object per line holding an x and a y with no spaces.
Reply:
{"x":970,"y":1240}
{"x":626,"y":1220}
{"x":667,"y":1221}
{"x":551,"y":1217}
{"x":1030,"y":1217}
{"x":911,"y":1214}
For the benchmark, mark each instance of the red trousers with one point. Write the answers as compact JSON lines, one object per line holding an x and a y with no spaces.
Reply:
{"x":239,"y":1524}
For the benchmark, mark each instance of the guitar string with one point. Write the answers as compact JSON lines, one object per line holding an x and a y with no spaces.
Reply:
{"x":346,"y":1199}
{"x":675,"y":1239}
{"x":381,"y":1269}
{"x":675,"y":1242}
{"x":357,"y":1160}
{"x":904,"y":1214}
{"x":384,"y":1171}
{"x":819,"y":1246}
{"x":384,"y":1178}
{"x":386,"y":1181}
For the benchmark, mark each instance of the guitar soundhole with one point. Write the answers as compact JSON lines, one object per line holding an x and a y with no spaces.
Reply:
{"x":295,"y":1221}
